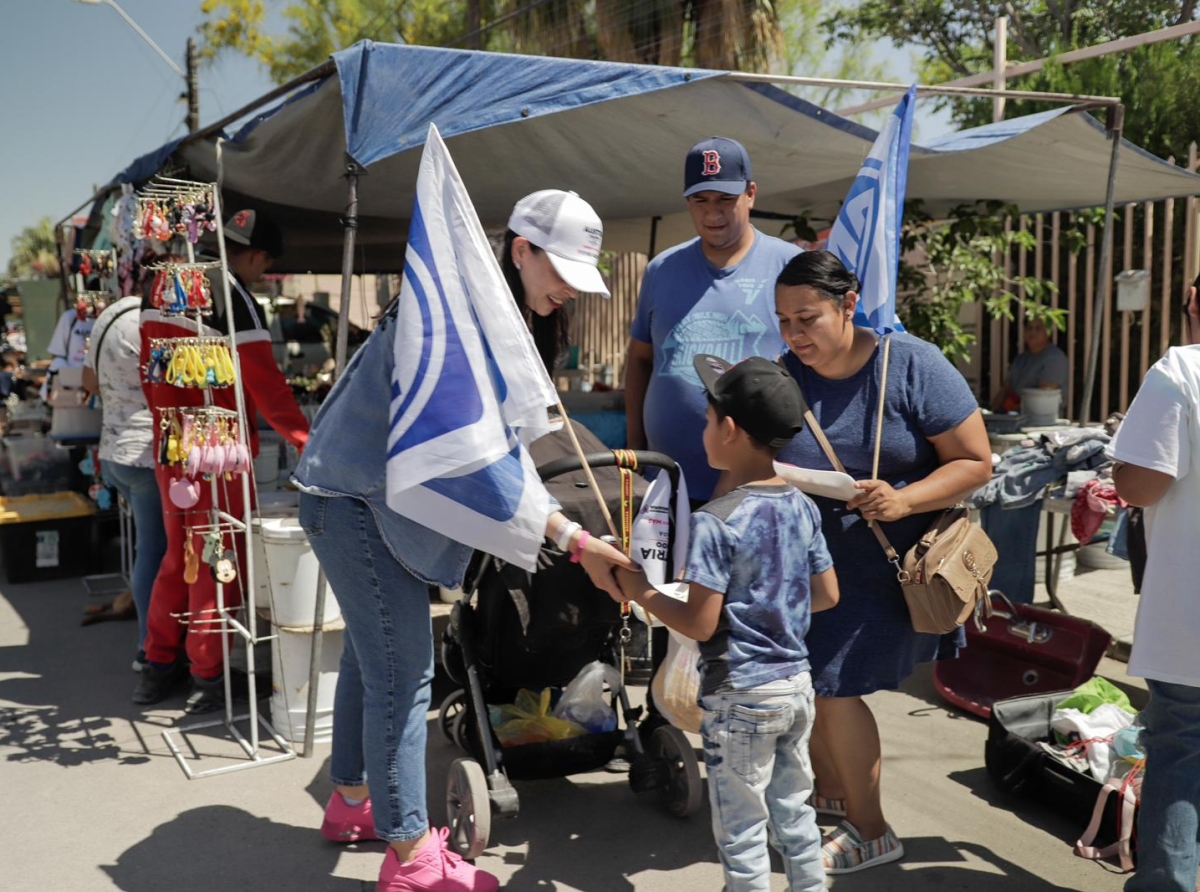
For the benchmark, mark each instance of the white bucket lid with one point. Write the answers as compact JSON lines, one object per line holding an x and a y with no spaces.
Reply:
{"x":282,"y":529}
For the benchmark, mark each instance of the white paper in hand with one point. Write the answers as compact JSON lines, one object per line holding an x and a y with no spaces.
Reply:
{"x":830,"y":484}
{"x":651,"y":529}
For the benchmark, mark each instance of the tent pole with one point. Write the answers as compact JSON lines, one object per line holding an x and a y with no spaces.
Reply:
{"x":653,"y":235}
{"x":1116,"y":121}
{"x":350,"y":231}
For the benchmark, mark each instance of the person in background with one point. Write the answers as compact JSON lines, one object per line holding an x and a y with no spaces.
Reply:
{"x":757,"y":566}
{"x":112,"y":369}
{"x":253,"y":242}
{"x":1041,"y":364}
{"x":1157,"y":455}
{"x":933,"y":452}
{"x":381,"y":564}
{"x":68,"y":343}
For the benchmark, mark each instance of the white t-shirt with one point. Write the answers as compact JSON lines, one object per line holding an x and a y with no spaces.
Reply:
{"x":127,"y":429}
{"x":69,"y":341}
{"x":1161,"y":432}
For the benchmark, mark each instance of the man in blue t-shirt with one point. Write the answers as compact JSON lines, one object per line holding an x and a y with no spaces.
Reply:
{"x":714,"y":294}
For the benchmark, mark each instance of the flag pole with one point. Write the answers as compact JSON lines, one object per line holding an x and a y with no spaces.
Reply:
{"x":887,"y":349}
{"x":587,"y":469}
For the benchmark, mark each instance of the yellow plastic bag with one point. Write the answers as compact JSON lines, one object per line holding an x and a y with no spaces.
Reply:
{"x":528,"y":720}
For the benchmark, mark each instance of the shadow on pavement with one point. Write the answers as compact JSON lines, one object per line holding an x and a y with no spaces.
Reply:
{"x":949,"y":866}
{"x":228,"y":848}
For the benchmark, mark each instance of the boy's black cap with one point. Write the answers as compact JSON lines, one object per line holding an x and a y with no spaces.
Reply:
{"x":759,"y":395}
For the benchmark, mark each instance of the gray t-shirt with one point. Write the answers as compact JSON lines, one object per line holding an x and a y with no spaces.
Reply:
{"x":1031,"y":369}
{"x":759,"y":546}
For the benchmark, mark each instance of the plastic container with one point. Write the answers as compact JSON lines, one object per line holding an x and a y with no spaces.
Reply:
{"x":34,"y":464}
{"x":75,"y":423}
{"x":286,"y":577}
{"x":291,"y":654}
{"x":46,"y":536}
{"x":266,"y":463}
{"x":1040,"y":405}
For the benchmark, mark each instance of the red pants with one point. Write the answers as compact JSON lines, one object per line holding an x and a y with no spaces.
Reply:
{"x":169,"y":635}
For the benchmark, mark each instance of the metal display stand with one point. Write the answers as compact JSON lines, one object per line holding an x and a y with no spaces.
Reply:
{"x":224,"y":619}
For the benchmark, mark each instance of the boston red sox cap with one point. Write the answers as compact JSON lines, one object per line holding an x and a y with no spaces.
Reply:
{"x":716,"y":164}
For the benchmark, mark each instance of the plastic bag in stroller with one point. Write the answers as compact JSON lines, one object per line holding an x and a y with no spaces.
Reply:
{"x":514,"y":631}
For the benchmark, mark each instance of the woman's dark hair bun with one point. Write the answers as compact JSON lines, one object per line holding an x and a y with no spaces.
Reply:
{"x":820,"y":270}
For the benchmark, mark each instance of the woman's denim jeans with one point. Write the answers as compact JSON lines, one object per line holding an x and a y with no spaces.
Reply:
{"x":760,"y":777}
{"x":1168,"y":848}
{"x":383,"y":688}
{"x":138,"y":488}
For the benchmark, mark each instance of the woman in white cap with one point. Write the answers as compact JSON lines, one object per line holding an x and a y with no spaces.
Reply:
{"x":381,"y":564}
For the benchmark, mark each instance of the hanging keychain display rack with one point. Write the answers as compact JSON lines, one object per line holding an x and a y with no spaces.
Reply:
{"x":168,"y":209}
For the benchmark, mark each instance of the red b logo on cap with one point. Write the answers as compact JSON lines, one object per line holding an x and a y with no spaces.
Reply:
{"x":241,"y":218}
{"x":712,"y":163}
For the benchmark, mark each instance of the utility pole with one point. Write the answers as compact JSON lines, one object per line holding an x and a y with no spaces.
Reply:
{"x":193,"y":88}
{"x":474,"y":23}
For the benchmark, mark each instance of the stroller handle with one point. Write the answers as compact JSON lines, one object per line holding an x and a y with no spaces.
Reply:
{"x":571,"y":463}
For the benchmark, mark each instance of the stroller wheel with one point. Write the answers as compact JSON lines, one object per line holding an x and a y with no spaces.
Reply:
{"x":682,"y":789}
{"x":452,"y":707}
{"x":468,"y":808}
{"x":459,"y":729}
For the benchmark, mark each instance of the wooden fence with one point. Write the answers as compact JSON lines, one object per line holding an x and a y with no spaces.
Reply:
{"x":1161,"y":237}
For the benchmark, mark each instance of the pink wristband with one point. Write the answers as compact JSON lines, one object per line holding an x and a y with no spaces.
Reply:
{"x":577,"y":551}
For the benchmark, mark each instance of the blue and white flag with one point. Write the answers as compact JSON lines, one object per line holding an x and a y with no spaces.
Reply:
{"x":469,"y":389}
{"x":866,"y":234}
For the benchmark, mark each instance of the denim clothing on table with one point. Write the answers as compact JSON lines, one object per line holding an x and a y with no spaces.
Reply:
{"x":1014,"y":532}
{"x":759,"y":779}
{"x":1168,"y":826}
{"x":140,"y":490}
{"x":758,"y":546}
{"x":383,"y":688}
{"x":346,"y":455}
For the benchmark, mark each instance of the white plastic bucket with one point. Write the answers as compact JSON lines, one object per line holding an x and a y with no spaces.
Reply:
{"x":266,"y":463}
{"x":291,"y":654}
{"x":289,"y":568}
{"x":1040,"y":405}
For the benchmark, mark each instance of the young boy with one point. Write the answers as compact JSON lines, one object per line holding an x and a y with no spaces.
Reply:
{"x":757,"y":565}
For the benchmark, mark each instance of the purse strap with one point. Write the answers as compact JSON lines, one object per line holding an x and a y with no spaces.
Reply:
{"x":827,"y":448}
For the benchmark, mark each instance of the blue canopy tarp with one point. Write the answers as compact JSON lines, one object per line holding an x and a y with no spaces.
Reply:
{"x":617,"y":134}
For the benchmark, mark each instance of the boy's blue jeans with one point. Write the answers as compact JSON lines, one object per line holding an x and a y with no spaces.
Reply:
{"x":383,"y":687}
{"x":759,"y":780}
{"x":1168,"y":827}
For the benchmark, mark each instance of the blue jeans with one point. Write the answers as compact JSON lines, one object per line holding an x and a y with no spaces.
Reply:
{"x":760,"y":778}
{"x":1168,"y":828}
{"x":140,"y":491}
{"x":383,"y":688}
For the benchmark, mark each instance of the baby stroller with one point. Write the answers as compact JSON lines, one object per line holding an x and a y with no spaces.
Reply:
{"x":512,"y":630}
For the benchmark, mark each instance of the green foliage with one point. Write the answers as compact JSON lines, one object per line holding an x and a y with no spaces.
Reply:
{"x":34,"y":252}
{"x":1160,"y":83}
{"x":723,"y":34}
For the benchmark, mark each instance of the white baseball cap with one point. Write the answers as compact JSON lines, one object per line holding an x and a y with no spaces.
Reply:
{"x":564,"y":226}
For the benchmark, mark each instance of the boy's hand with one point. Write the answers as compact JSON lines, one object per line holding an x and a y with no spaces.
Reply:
{"x":599,"y":560}
{"x":1191,"y":310}
{"x":878,"y":501}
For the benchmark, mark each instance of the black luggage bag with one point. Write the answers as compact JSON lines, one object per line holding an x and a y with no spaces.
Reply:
{"x":1018,"y":765}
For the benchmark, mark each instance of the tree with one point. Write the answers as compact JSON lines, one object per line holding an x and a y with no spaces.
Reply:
{"x":723,"y":34}
{"x":34,"y":252}
{"x":1159,"y":83}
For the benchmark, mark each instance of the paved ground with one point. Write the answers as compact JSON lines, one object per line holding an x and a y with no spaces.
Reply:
{"x":94,"y":800}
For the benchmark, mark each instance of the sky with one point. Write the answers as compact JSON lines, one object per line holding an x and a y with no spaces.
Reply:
{"x":83,"y":95}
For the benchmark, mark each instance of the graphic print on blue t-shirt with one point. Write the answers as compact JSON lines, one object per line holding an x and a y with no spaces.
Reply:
{"x":686,"y":307}
{"x":759,"y":546}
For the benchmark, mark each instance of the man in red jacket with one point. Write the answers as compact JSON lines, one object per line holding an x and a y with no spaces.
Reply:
{"x":182,"y":618}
